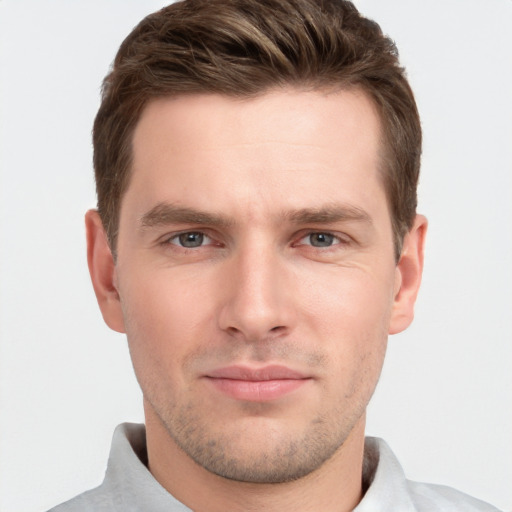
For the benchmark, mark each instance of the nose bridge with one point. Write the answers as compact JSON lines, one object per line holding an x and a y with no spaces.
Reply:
{"x":256,"y":305}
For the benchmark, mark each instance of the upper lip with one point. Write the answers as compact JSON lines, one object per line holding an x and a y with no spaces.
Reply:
{"x":271,"y":372}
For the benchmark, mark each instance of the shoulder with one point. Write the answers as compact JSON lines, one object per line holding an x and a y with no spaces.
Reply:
{"x":90,"y":501}
{"x":389,"y":490}
{"x":125,"y":473}
{"x":428,"y":497}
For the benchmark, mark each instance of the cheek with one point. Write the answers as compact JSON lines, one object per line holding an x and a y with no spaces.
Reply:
{"x":164,"y":303}
{"x":163,"y":316}
{"x":348,"y":301}
{"x":349,"y":319}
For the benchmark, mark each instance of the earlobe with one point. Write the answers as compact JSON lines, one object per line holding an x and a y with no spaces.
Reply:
{"x":408,"y":279}
{"x":103,"y":271}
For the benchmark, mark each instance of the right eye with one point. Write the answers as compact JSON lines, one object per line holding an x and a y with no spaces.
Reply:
{"x":190,"y":239}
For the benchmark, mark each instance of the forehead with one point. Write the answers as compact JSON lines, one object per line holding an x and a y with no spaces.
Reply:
{"x":219,"y":118}
{"x":286,"y":147}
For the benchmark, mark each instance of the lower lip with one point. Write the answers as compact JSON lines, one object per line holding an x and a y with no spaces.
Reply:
{"x":257,"y":391}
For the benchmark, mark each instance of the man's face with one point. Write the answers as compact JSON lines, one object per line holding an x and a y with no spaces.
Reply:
{"x":256,"y":275}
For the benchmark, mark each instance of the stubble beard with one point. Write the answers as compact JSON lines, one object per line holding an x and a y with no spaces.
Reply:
{"x":232,"y":454}
{"x":265,"y":447}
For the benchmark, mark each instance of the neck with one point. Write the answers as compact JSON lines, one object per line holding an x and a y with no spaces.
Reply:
{"x":335,"y":486}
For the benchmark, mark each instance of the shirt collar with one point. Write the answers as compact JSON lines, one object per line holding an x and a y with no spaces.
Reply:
{"x":132,"y":486}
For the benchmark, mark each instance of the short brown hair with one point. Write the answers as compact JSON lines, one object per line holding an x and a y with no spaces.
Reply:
{"x":243,"y":48}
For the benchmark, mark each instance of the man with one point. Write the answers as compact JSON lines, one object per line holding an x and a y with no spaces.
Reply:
{"x":256,"y":239}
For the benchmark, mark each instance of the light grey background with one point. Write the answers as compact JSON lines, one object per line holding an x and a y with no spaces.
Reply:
{"x":444,"y":401}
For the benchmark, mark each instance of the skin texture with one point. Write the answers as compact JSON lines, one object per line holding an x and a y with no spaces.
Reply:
{"x":290,"y":262}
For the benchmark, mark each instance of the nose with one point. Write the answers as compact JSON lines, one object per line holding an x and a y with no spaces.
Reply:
{"x":257,"y":296}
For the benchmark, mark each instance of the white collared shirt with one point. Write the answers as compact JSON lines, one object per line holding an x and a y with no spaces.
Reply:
{"x":129,"y":486}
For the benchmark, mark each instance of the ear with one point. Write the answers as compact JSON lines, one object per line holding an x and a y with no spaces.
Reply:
{"x":408,"y":276}
{"x":103,"y":271}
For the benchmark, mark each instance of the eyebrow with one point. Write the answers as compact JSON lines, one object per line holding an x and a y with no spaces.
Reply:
{"x":328,"y":214}
{"x":167,"y":214}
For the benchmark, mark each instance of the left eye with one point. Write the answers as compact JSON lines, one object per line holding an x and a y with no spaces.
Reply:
{"x":320,"y":239}
{"x":190,"y":239}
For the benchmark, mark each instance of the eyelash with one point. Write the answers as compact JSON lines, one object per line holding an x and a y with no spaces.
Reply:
{"x":176,"y":237}
{"x":337,"y":239}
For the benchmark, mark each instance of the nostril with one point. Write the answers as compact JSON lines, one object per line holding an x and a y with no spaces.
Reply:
{"x":233,"y":330}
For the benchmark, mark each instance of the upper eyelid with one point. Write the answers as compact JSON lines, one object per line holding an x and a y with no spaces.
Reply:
{"x":216,"y":237}
{"x":174,"y":234}
{"x":337,"y":234}
{"x":167,"y":238}
{"x":188,"y":232}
